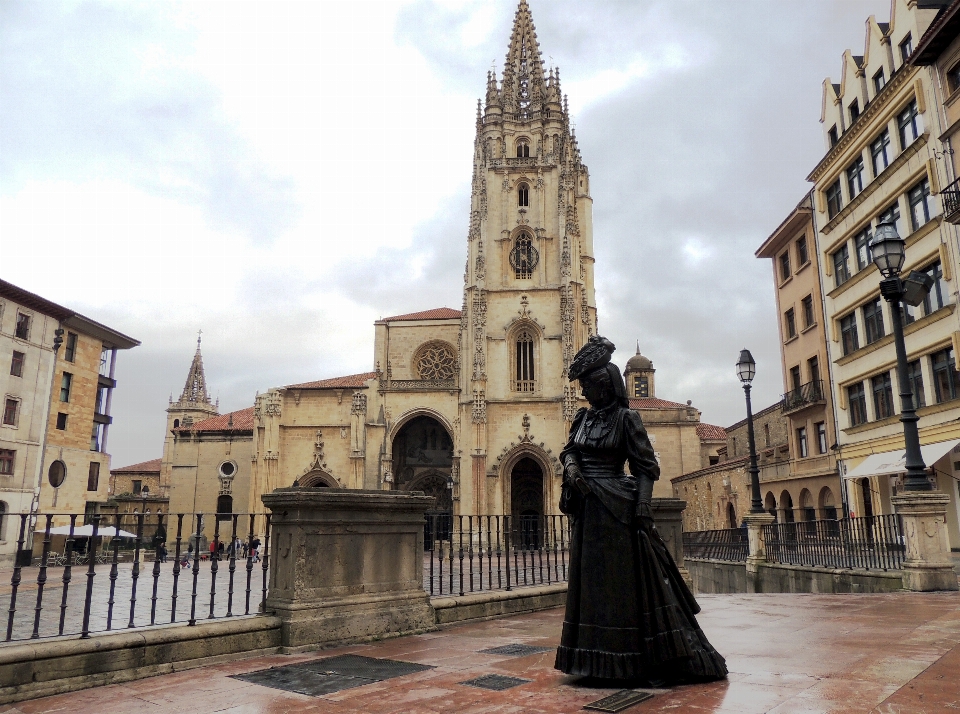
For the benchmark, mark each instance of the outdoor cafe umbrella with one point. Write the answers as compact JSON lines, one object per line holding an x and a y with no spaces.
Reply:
{"x":87,"y":531}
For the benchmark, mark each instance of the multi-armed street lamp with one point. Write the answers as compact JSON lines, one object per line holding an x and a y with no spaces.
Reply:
{"x":888,"y":250}
{"x":747,"y":370}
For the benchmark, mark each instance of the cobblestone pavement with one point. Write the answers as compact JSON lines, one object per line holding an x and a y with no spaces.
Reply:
{"x":891,"y":654}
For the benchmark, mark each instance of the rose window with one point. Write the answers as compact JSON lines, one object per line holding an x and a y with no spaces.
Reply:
{"x":436,"y":362}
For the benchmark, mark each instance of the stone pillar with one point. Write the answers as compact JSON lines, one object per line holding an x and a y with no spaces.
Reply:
{"x":927,"y":564}
{"x":668,"y":515}
{"x":757,"y":548}
{"x":347,"y":565}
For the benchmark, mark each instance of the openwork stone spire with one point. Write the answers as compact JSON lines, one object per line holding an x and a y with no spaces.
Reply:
{"x":195,"y":389}
{"x":524,"y":84}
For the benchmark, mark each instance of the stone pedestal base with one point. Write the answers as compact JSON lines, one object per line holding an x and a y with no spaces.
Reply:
{"x":668,"y":515}
{"x":927,"y":565}
{"x":347,"y":565}
{"x":756,"y":548}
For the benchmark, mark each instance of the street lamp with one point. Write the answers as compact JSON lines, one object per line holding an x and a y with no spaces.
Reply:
{"x":746,"y":371}
{"x":888,"y":250}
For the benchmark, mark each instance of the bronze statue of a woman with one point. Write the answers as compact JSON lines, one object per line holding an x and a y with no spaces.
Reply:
{"x":629,"y":614}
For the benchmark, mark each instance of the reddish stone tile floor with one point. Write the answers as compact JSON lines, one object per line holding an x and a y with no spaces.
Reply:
{"x":892,"y":653}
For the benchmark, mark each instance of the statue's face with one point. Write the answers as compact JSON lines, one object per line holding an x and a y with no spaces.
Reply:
{"x":596,"y":389}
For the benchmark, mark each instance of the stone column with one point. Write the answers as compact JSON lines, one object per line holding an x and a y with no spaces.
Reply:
{"x":668,"y":515}
{"x":927,"y":564}
{"x":347,"y":565}
{"x":757,"y":548}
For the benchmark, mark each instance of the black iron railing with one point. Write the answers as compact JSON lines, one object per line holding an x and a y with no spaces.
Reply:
{"x":727,"y":544}
{"x":874,"y":542}
{"x":466,"y":554}
{"x":806,"y":394}
{"x":159,"y":549}
{"x":951,"y":202}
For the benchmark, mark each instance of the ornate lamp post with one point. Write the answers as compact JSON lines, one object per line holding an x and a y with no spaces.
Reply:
{"x":747,"y":370}
{"x":888,"y":254}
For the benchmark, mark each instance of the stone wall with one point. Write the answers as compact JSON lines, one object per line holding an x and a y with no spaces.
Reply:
{"x":717,"y":576}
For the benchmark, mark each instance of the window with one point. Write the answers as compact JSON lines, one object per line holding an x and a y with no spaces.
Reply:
{"x":523,"y":149}
{"x":808,"y":316}
{"x":96,"y":435}
{"x":224,"y":508}
{"x":953,"y":79}
{"x":766,"y":435}
{"x":891,"y":215}
{"x":821,"y":428}
{"x":922,"y":206}
{"x":93,"y":477}
{"x":61,"y":421}
{"x":524,"y":257}
{"x":945,"y":378}
{"x":784,"y":266}
{"x":105,"y":362}
{"x":833,"y":136}
{"x":880,"y":153}
{"x":915,"y":381}
{"x":854,"y":110}
{"x":848,"y":334}
{"x":641,"y":387}
{"x":864,"y":254}
{"x":855,"y":177}
{"x":813,"y":364}
{"x":841,"y":265}
{"x":882,"y":388}
{"x":790,"y":323}
{"x":795,"y":378}
{"x":834,"y":199}
{"x":23,"y":326}
{"x":879,"y":81}
{"x":526,"y":377}
{"x":137,"y":487}
{"x":802,"y":441}
{"x":65,"y":383}
{"x":802,"y":256}
{"x":6,"y":462}
{"x":16,"y":364}
{"x":57,"y":473}
{"x":70,"y":351}
{"x":857,"y":399}
{"x":873,"y":321}
{"x":10,"y":408}
{"x":907,"y":314}
{"x":910,"y":125}
{"x":523,"y":199}
{"x":906,"y":48}
{"x":938,"y":295}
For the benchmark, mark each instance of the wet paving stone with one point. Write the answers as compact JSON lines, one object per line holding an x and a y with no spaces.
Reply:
{"x":516,"y":650}
{"x":495,"y":682}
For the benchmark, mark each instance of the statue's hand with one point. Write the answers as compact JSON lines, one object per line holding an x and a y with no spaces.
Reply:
{"x":645,"y":515}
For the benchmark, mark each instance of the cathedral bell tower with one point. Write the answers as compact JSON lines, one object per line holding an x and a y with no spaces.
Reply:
{"x":529,"y":301}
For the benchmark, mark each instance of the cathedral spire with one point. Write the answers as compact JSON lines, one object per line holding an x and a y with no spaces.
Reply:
{"x":195,"y":389}
{"x":523,"y":75}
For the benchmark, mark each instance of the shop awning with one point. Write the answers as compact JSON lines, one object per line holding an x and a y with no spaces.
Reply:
{"x":893,"y":462}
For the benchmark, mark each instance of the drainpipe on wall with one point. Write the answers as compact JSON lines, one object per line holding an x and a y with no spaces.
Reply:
{"x":35,"y":502}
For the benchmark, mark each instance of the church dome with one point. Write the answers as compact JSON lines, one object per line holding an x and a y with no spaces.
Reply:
{"x":639,"y":363}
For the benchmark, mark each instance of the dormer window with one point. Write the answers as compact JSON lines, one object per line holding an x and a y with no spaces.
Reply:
{"x":523,"y":149}
{"x":523,"y":195}
{"x":854,"y":110}
{"x":833,"y":135}
{"x":906,"y":48}
{"x":879,"y":81}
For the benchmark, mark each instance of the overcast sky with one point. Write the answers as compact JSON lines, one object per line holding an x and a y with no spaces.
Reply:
{"x":281,"y":174}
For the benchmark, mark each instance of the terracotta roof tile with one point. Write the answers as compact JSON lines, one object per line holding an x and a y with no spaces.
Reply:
{"x":439,"y":313}
{"x":654,"y":403}
{"x":354,"y":381}
{"x":709,"y":432}
{"x":242,"y":421}
{"x":152,"y":466}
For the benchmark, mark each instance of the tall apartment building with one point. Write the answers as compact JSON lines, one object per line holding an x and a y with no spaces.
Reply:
{"x":884,"y":164}
{"x":56,"y":404}
{"x":813,"y":487}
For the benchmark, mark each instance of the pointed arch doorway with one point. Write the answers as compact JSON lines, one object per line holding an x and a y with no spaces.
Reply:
{"x":526,"y":502}
{"x":423,"y":461}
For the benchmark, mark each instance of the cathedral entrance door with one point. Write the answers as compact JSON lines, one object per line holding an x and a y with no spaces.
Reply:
{"x":423,"y":461}
{"x":526,"y":503}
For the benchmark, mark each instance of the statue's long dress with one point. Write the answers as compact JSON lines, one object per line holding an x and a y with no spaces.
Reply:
{"x":629,"y":614}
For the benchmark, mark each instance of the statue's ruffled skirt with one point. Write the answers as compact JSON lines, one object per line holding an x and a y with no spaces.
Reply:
{"x":629,"y":614}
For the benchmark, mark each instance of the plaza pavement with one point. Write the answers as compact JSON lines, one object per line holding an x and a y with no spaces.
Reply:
{"x":890,"y":653}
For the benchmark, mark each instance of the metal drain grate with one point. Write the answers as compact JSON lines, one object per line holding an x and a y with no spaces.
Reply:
{"x":516,"y":650}
{"x":618,"y":702}
{"x":495,"y":682}
{"x":330,"y":675}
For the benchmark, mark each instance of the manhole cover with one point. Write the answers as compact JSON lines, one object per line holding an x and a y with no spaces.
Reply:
{"x":516,"y":650}
{"x":619,"y":702}
{"x":330,"y":675}
{"x":496,"y":682}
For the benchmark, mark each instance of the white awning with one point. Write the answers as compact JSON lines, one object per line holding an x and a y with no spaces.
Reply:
{"x":893,"y":462}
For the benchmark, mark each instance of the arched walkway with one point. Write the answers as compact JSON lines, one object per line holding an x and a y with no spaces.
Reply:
{"x":828,"y":506}
{"x":770,"y":504}
{"x":806,"y":505}
{"x":423,"y":460}
{"x":786,"y":507}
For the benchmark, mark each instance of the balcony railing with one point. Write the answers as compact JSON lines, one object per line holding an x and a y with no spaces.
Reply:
{"x":951,"y":202}
{"x":422,"y":385}
{"x":803,"y":396}
{"x":527,"y":386}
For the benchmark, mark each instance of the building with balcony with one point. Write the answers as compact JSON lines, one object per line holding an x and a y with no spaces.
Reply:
{"x":884,"y":163}
{"x":807,"y":405}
